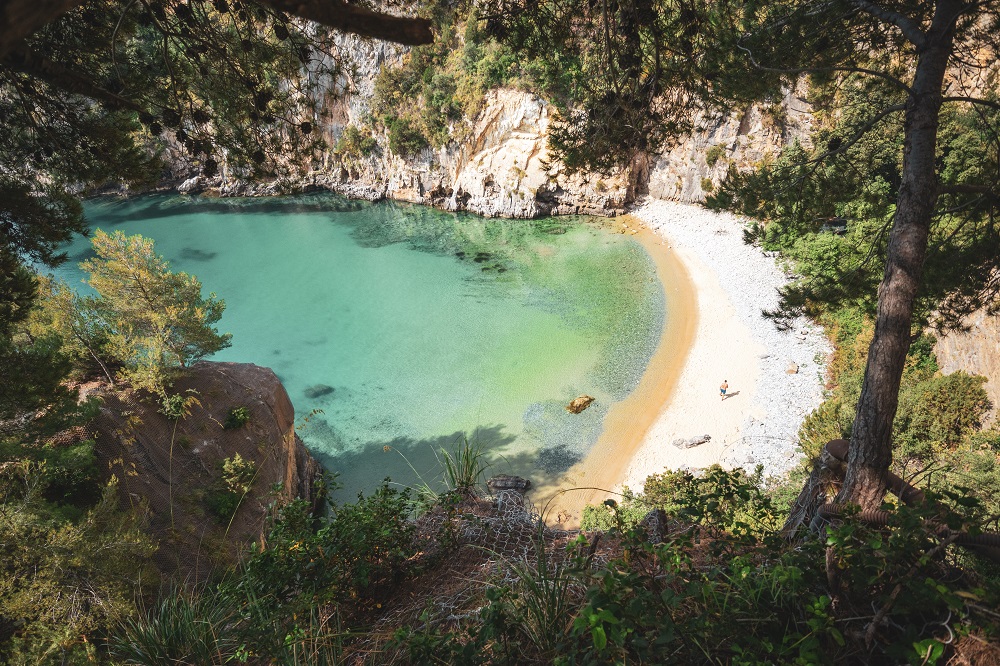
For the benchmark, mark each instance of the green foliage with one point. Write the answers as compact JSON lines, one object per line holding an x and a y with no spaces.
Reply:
{"x":405,"y":138}
{"x":714,"y":154}
{"x":720,"y":589}
{"x":236,"y":476}
{"x":63,"y":583}
{"x":356,"y":142}
{"x":236,"y":418}
{"x":156,"y":321}
{"x":184,"y":628}
{"x":707,"y":185}
{"x":309,"y":560}
{"x":466,"y":468}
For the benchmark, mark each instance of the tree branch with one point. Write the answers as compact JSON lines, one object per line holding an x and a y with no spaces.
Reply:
{"x":815,"y":70}
{"x":960,"y":188}
{"x":911,"y":31}
{"x":24,"y":60}
{"x":20,"y":18}
{"x":974,"y":100}
{"x":358,"y":20}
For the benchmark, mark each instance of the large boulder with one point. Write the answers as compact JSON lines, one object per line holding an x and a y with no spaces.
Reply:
{"x":173,"y":470}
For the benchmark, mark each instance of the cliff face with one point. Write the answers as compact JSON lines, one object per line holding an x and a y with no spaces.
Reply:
{"x":500,"y":164}
{"x":977,"y":352}
{"x":172,"y":469}
{"x":501,"y":168}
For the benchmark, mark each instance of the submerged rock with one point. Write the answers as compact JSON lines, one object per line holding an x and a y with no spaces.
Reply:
{"x":579,"y":404}
{"x":318,"y":391}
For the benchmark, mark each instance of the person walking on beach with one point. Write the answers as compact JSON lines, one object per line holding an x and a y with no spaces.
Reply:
{"x":724,"y":388}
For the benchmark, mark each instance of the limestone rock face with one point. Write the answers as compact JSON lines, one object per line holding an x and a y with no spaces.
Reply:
{"x":498,"y":165}
{"x":742,"y":139}
{"x":158,"y":467}
{"x":499,"y":168}
{"x":976,"y":352}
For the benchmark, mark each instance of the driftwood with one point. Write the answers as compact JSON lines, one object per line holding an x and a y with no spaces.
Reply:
{"x":691,"y":442}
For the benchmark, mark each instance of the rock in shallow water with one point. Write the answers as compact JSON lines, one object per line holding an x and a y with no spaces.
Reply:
{"x":579,"y":404}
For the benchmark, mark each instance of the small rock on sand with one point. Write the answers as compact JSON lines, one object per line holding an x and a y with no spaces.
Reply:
{"x":691,"y":442}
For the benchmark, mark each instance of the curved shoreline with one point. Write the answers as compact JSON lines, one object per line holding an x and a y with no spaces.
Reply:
{"x":727,"y":337}
{"x":629,"y":421}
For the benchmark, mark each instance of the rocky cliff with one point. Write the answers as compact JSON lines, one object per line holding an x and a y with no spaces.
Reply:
{"x":975,"y":351}
{"x":499,"y":164}
{"x":172,"y":469}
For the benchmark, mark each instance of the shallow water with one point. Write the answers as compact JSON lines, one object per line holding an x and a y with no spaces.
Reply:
{"x":429,"y":327}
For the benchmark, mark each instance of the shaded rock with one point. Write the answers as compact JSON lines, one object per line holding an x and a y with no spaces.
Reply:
{"x":508,"y":482}
{"x":692,"y":442}
{"x":579,"y":404}
{"x":318,"y":391}
{"x":793,"y":368}
{"x":173,"y":468}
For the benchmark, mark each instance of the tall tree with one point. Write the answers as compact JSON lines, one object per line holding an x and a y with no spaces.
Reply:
{"x":932,"y":56}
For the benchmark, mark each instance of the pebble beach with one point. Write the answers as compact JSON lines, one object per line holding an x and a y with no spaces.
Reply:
{"x":735,"y":283}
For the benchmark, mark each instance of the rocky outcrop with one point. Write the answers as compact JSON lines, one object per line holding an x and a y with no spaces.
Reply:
{"x":498,"y":163}
{"x":501,"y":168}
{"x":975,"y":351}
{"x":171,"y":469}
{"x":695,"y":166}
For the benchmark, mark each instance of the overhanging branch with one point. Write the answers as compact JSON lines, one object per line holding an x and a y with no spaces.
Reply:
{"x":20,"y":18}
{"x":24,"y":60}
{"x":974,"y":100}
{"x":910,"y":29}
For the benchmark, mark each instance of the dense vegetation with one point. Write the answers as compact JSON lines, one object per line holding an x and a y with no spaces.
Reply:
{"x":714,"y":580}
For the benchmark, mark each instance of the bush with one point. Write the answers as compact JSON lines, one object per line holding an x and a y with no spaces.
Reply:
{"x":236,"y":418}
{"x":707,"y":185}
{"x":713,"y":154}
{"x":405,"y":138}
{"x":356,"y":143}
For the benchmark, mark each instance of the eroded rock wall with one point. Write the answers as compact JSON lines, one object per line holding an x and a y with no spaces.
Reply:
{"x":170,"y":468}
{"x":975,"y":351}
{"x":499,"y":164}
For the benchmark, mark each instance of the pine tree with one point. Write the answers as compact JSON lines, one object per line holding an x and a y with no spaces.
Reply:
{"x":156,"y":321}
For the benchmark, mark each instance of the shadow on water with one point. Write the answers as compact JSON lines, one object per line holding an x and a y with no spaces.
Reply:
{"x":413,"y":462}
{"x":155,"y":206}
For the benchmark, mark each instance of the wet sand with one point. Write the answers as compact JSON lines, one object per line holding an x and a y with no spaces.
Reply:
{"x":628,"y":422}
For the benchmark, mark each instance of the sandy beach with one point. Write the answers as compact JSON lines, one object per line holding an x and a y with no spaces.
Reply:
{"x":716,"y":288}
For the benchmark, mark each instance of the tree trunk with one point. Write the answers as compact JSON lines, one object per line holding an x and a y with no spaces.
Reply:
{"x":870,"y":452}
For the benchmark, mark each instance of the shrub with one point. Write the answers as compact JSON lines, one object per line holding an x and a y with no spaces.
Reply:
{"x":355,"y":142}
{"x":713,"y":154}
{"x":404,"y":137}
{"x":707,"y":185}
{"x":236,"y":418}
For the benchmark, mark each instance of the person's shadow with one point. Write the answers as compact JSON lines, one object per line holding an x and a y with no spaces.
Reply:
{"x":730,"y":395}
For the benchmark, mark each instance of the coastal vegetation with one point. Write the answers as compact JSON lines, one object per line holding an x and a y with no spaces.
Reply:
{"x":697,"y":568}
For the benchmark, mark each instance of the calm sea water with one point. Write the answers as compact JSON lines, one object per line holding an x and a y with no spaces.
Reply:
{"x":400,"y":330}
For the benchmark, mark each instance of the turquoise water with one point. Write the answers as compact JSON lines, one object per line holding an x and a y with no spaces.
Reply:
{"x":429,"y":327}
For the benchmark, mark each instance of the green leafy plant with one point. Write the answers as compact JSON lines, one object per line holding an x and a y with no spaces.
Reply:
{"x":236,"y":418}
